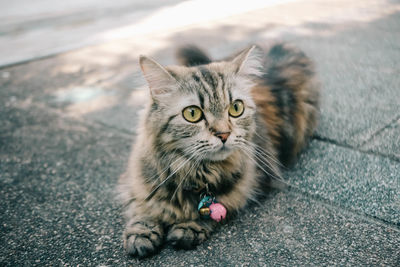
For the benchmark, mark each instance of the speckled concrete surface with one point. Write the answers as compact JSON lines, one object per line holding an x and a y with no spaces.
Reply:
{"x":67,"y":124}
{"x":386,"y":141}
{"x":58,"y":207}
{"x":361,"y":89}
{"x":368,"y":184}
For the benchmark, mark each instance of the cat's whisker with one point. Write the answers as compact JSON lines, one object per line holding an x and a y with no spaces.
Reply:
{"x":266,"y":160}
{"x":263,"y":151}
{"x":274,"y":172}
{"x":200,"y":152}
{"x":193,"y":155}
{"x":170,"y":163}
{"x":252,"y":153}
{"x":280,"y":179}
{"x":264,"y":156}
{"x":194,"y":166}
{"x":184,"y":178}
{"x":164,"y":156}
{"x":174,"y":160}
{"x":261,"y":137}
{"x":169,"y":176}
{"x":275,"y":176}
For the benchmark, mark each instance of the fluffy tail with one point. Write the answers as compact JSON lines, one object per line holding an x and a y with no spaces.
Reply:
{"x":191,"y":55}
{"x":290,"y":79}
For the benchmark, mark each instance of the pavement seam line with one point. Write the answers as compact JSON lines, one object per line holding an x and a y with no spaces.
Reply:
{"x":380,"y":130}
{"x":364,"y":151}
{"x":347,"y":210}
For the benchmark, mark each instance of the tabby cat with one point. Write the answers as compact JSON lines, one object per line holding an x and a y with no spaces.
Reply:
{"x":216,"y":129}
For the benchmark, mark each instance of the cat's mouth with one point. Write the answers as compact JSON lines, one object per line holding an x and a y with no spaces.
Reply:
{"x":224,"y":148}
{"x":220,"y":153}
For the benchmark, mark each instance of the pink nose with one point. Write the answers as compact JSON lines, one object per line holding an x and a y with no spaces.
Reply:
{"x":222,"y":136}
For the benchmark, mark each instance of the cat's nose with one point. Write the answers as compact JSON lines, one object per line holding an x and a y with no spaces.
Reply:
{"x":222,"y":135}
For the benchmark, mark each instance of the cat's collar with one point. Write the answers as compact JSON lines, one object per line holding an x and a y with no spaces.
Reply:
{"x":208,"y":206}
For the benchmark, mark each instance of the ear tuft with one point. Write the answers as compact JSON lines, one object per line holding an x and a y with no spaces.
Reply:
{"x":159,"y":79}
{"x":249,"y":61}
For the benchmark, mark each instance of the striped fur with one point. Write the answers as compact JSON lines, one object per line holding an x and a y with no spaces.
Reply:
{"x":174,"y":162}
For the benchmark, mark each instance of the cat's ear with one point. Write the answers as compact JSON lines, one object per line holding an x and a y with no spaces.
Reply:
{"x":249,"y":61}
{"x":159,"y":79}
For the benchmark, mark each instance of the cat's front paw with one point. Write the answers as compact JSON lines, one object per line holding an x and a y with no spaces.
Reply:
{"x":188,"y":235}
{"x":142,"y":239}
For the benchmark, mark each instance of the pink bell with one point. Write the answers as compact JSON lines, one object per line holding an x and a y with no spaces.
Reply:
{"x":218,"y":212}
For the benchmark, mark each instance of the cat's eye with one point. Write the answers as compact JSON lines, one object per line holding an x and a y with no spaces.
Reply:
{"x":236,"y":109}
{"x":192,"y":114}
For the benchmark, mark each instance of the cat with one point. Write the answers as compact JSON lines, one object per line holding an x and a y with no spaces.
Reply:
{"x":213,"y":131}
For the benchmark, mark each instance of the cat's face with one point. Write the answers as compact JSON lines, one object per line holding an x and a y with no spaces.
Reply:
{"x":207,"y":111}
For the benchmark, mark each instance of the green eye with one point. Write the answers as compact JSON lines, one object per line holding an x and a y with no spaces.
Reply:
{"x":236,"y":109}
{"x":192,"y":114}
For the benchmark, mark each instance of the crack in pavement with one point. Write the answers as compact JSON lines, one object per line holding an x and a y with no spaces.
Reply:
{"x":369,"y":151}
{"x":377,"y":132}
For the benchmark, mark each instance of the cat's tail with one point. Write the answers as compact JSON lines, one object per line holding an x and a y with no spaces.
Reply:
{"x":290,"y":79}
{"x":191,"y":55}
{"x":286,"y":65}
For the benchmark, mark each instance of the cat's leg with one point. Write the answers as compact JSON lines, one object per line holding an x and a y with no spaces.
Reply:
{"x":189,"y":234}
{"x":142,"y":236}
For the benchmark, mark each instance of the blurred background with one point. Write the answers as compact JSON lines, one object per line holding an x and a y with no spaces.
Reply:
{"x":43,"y":28}
{"x":71,"y":88}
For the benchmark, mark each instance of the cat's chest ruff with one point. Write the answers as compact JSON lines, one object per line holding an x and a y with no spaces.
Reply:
{"x":212,"y":180}
{"x":194,"y":188}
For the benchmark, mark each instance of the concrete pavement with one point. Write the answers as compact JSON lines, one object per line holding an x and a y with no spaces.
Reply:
{"x":67,"y":123}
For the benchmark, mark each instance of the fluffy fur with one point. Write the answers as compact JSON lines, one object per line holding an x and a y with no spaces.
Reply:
{"x":174,"y":161}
